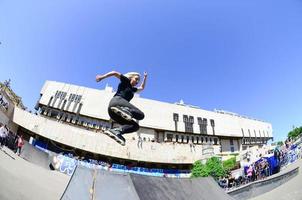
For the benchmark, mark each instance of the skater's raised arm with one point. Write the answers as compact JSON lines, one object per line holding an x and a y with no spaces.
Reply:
{"x":142,"y":86}
{"x":100,"y":77}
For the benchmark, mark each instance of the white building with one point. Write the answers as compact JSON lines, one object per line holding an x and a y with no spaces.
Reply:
{"x":71,"y":117}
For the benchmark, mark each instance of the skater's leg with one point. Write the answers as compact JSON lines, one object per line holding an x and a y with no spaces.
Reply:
{"x":126,"y":126}
{"x":120,"y":102}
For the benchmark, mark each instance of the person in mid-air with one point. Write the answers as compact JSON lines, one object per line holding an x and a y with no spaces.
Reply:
{"x":120,"y":110}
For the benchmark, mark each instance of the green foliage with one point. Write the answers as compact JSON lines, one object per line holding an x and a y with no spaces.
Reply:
{"x":213,"y":167}
{"x":295,"y":133}
{"x":280,"y":143}
{"x":229,"y":164}
{"x":198,"y":169}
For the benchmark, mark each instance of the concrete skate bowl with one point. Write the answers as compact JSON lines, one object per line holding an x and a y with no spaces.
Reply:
{"x":257,"y":188}
{"x":98,"y":184}
{"x":36,"y":156}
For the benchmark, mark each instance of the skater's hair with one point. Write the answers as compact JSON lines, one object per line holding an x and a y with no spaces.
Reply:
{"x":132,"y":74}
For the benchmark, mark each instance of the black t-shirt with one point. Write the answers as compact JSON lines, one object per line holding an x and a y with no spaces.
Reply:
{"x":125,"y":89}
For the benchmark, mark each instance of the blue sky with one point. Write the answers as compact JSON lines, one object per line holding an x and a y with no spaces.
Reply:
{"x":240,"y":56}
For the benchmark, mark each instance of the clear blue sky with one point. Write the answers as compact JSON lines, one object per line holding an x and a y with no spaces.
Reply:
{"x":240,"y":56}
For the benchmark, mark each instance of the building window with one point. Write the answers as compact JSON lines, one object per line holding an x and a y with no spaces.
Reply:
{"x":192,"y":138}
{"x":176,"y":137}
{"x":231,"y":142}
{"x":199,"y":121}
{"x":204,"y":126}
{"x":169,"y":137}
{"x":215,"y":141}
{"x":232,"y":149}
{"x":188,"y":138}
{"x":197,"y":139}
{"x":213,"y":125}
{"x":175,"y":119}
{"x":189,"y":121}
{"x":182,"y":139}
{"x":49,"y":102}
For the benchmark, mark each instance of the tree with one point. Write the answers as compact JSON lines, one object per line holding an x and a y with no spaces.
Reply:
{"x":295,"y":133}
{"x":280,"y":143}
{"x":229,"y":164}
{"x":213,"y":167}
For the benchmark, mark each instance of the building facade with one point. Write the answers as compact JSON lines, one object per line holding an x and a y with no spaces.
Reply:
{"x":73,"y":117}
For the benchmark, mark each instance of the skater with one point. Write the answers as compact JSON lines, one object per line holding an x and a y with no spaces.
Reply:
{"x":120,"y":110}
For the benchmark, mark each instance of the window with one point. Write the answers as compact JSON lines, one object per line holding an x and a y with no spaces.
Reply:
{"x":197,"y":139}
{"x":49,"y":102}
{"x":175,"y":117}
{"x":188,"y":123}
{"x":212,"y":122}
{"x":192,"y":138}
{"x":79,"y":109}
{"x":213,"y":125}
{"x":231,"y":142}
{"x":232,"y":149}
{"x":215,"y":141}
{"x":204,"y":126}
{"x":182,"y":139}
{"x":176,"y":137}
{"x":199,"y":121}
{"x":188,"y":138}
{"x":169,"y":137}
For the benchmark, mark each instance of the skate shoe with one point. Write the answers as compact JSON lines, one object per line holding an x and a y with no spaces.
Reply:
{"x":123,"y":112}
{"x":116,"y":135}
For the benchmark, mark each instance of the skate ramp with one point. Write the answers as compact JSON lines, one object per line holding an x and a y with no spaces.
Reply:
{"x":158,"y":188}
{"x":36,"y":156}
{"x":99,"y":184}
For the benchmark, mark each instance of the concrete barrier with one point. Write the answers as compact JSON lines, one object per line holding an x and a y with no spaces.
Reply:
{"x":262,"y":186}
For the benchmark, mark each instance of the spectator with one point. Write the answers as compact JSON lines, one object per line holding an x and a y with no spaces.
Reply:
{"x":223,"y":182}
{"x":20,"y":143}
{"x":3,"y":135}
{"x":250,"y":173}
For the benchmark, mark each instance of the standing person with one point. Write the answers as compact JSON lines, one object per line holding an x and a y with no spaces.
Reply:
{"x":2,"y":135}
{"x":120,"y":109}
{"x":20,"y":143}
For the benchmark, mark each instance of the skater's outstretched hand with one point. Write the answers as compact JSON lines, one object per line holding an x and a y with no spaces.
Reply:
{"x":99,"y":77}
{"x":142,"y":86}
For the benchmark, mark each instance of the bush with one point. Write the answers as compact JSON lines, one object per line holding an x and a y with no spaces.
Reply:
{"x":229,"y":164}
{"x":213,"y":167}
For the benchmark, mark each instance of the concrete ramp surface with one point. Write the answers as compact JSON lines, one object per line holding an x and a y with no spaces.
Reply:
{"x":36,"y":156}
{"x":95,"y":184}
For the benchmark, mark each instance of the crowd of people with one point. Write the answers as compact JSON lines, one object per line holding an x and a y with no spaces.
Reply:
{"x":263,"y":167}
{"x":255,"y":171}
{"x":11,"y":140}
